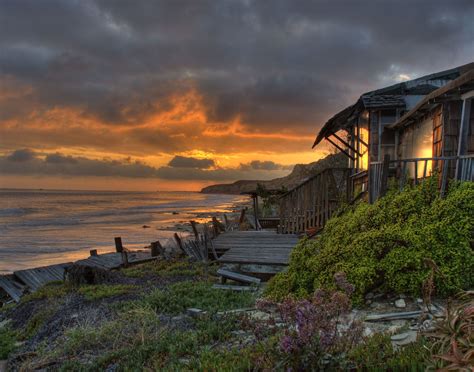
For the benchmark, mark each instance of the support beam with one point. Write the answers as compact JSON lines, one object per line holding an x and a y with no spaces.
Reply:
{"x":340,"y":148}
{"x":346,"y":144}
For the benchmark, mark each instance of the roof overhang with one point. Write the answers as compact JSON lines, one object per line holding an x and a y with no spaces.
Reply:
{"x":450,"y":92}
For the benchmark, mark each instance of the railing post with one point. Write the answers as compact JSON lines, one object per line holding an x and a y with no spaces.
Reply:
{"x":384,"y":178}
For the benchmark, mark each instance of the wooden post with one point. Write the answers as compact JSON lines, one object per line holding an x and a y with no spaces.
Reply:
{"x":93,"y":252}
{"x":179,"y":242}
{"x":255,"y":209}
{"x":226,"y":221}
{"x":216,"y":225}
{"x":118,"y":244}
{"x":196,"y":234}
{"x":385,"y":170}
{"x":156,"y":249}
{"x":124,"y":258}
{"x":463,"y":133}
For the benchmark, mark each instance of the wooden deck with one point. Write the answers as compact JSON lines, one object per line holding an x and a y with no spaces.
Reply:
{"x":255,"y":247}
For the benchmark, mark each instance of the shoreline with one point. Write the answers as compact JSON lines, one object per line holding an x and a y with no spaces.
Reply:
{"x":164,"y":232}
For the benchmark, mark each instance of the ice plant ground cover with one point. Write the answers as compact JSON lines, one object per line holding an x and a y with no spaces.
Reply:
{"x":391,"y":246}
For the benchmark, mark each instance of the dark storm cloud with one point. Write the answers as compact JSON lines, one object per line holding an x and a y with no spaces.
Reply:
{"x":183,"y":168}
{"x":21,"y":155}
{"x":274,"y":64}
{"x":189,"y":162}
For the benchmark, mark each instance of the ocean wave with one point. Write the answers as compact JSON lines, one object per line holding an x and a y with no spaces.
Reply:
{"x":13,"y":212}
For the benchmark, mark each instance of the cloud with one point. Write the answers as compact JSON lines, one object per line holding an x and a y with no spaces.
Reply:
{"x":189,"y":162}
{"x":226,"y":77}
{"x":22,"y":155}
{"x":283,"y":65}
{"x":265,"y":165}
{"x":58,"y":164}
{"x":58,"y":158}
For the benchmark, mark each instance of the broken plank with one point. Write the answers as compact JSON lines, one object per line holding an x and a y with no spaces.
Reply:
{"x":13,"y":288}
{"x":393,"y":316}
{"x":238,"y":277}
{"x":234,"y":287}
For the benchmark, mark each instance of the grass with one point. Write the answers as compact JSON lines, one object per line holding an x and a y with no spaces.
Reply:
{"x":100,"y":291}
{"x":179,"y":296}
{"x":49,"y":291}
{"x":8,"y":338}
{"x":36,"y":322}
{"x":146,"y":344}
{"x":377,"y":353}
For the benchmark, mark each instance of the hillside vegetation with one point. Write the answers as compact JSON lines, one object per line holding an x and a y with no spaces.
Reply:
{"x":401,"y":242}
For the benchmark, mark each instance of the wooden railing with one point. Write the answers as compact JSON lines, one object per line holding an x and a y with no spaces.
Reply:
{"x":311,"y":204}
{"x":412,"y":171}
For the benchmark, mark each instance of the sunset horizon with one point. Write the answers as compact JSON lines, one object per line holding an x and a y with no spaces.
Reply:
{"x":179,"y":96}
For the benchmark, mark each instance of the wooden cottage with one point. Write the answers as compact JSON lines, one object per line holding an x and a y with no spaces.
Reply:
{"x":404,"y":131}
{"x":438,"y":133}
{"x":363,"y":131}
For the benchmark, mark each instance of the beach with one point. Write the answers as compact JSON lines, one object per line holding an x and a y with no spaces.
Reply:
{"x":44,"y":227}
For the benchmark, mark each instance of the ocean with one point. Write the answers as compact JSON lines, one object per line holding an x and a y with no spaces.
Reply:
{"x":43,"y":227}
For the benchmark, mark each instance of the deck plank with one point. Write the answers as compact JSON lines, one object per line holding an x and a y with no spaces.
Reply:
{"x":255,"y":247}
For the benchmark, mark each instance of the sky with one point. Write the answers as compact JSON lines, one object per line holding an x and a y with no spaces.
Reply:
{"x":177,"y":95}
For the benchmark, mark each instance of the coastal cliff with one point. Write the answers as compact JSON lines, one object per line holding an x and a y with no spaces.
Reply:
{"x":299,"y":173}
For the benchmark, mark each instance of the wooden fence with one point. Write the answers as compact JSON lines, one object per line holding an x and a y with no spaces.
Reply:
{"x":311,"y":204}
{"x":412,"y":171}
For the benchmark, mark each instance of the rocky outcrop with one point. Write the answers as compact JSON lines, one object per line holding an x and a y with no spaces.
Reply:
{"x":299,"y":173}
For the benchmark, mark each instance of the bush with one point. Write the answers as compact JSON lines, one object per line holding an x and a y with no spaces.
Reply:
{"x":386,"y":245}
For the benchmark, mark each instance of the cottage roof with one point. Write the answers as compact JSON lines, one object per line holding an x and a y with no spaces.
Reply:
{"x":451,"y":91}
{"x":388,"y":97}
{"x":385,"y":100}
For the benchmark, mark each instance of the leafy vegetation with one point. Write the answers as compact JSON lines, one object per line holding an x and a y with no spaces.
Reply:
{"x":180,"y":296}
{"x":387,"y":245}
{"x":99,"y":291}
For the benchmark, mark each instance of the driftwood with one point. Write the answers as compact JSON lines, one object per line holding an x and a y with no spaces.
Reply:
{"x":393,"y":316}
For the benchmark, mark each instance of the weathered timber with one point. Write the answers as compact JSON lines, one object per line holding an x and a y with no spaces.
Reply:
{"x":238,"y":277}
{"x":239,"y":288}
{"x":195,"y":231}
{"x":255,"y":247}
{"x":12,"y":287}
{"x":393,"y":316}
{"x":37,"y":277}
{"x":156,"y":249}
{"x":179,"y":243}
{"x":118,"y":244}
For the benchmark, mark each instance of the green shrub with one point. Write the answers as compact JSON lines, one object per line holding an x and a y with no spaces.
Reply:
{"x":180,"y":296}
{"x":386,"y":245}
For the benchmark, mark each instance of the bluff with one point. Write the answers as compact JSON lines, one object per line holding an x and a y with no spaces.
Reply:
{"x":299,"y":173}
